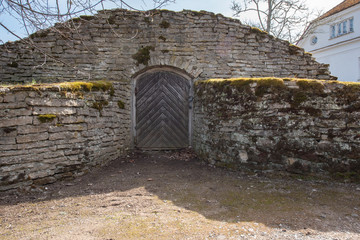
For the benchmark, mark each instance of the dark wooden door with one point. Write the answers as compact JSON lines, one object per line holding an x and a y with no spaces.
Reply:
{"x":162,"y":111}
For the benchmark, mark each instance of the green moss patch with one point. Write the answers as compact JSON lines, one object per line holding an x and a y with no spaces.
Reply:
{"x":164,"y":24}
{"x":298,"y":98}
{"x":162,"y":38}
{"x":121,"y":104}
{"x":111,"y":19}
{"x":87,"y":86}
{"x":147,"y":20}
{"x":350,"y":92}
{"x":143,"y":55}
{"x":294,"y":50}
{"x":39,"y":34}
{"x":266,"y":85}
{"x":257,"y":30}
{"x":13,"y":64}
{"x":99,"y":105}
{"x":44,"y":118}
{"x":311,"y":86}
{"x":74,"y":87}
{"x":347,"y":176}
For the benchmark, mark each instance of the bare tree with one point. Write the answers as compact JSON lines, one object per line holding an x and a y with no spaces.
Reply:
{"x":285,"y":19}
{"x":40,"y":16}
{"x":33,"y":15}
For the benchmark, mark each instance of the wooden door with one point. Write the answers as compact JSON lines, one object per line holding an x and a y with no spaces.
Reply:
{"x":162,"y":111}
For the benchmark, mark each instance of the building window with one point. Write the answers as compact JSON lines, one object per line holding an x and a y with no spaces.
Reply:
{"x":314,"y":40}
{"x":332,"y":31}
{"x":342,"y":28}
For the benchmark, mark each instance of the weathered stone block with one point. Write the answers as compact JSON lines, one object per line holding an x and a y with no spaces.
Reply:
{"x":32,"y":137}
{"x":54,"y":110}
{"x":18,"y":121}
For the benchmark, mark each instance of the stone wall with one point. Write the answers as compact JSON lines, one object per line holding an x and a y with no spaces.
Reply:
{"x":116,"y":44}
{"x":51,"y":132}
{"x":302,"y":126}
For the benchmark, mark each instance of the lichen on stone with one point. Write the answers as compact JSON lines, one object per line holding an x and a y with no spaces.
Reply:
{"x":43,"y":118}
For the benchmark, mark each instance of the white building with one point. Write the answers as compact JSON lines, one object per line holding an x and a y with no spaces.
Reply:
{"x":334,"y":38}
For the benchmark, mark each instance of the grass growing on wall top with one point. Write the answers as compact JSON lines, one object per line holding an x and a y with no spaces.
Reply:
{"x":261,"y":86}
{"x":254,"y":80}
{"x":103,"y":85}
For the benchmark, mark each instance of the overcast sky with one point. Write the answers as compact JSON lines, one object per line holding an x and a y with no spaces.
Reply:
{"x":216,"y":6}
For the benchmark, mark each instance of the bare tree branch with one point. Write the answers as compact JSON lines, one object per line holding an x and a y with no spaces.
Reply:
{"x":283,"y":18}
{"x":34,"y":15}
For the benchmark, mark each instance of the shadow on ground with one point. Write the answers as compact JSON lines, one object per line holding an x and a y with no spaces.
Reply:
{"x":217,"y":194}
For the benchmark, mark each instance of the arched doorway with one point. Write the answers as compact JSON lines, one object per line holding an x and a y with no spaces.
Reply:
{"x":162,"y":110}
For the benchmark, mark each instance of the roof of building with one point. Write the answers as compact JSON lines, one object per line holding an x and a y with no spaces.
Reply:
{"x":340,"y":7}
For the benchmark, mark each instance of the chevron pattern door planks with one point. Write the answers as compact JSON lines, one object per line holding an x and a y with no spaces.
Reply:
{"x":162,"y":111}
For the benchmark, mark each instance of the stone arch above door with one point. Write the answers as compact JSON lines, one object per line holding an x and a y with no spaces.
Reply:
{"x":161,"y":109}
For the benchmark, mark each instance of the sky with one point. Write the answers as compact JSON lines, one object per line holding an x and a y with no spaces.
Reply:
{"x":216,"y":6}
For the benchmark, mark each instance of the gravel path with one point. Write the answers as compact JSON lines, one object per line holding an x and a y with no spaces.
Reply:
{"x":174,"y":196}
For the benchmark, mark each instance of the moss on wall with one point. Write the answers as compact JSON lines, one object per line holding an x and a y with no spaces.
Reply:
{"x":43,"y":118}
{"x":101,"y":85}
{"x":164,"y":24}
{"x":301,"y":125}
{"x":99,"y":105}
{"x":121,"y":104}
{"x":143,"y":55}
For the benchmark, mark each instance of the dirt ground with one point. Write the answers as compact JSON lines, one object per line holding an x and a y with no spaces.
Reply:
{"x":174,"y":196}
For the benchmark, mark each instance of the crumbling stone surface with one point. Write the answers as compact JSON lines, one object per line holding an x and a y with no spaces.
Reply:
{"x":302,"y":126}
{"x":48,"y":134}
{"x":116,"y":44}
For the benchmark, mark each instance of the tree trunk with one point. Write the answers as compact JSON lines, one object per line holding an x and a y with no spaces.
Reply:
{"x":269,"y":16}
